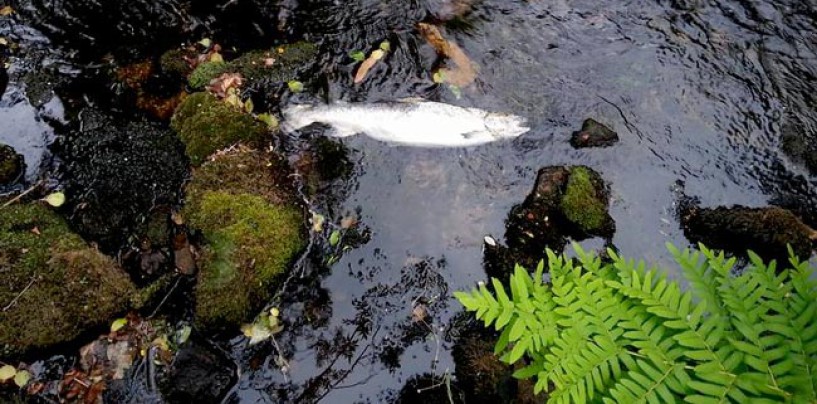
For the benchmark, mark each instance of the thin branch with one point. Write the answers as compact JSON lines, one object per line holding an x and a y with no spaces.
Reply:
{"x":24,"y":193}
{"x":14,"y":301}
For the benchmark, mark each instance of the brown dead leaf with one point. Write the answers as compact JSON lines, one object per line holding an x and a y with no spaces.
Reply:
{"x":221,"y":85}
{"x":36,"y":230}
{"x":463,"y":72}
{"x":367,"y":65}
{"x":419,"y":313}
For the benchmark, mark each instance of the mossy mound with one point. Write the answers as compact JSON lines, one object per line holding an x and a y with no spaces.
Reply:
{"x":205,"y":124}
{"x":585,"y":201}
{"x":280,"y":64}
{"x":12,"y":165}
{"x":252,"y":231}
{"x":71,"y":286}
{"x":766,"y":231}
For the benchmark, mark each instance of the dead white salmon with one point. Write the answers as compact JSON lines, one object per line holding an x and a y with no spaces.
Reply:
{"x":412,"y":123}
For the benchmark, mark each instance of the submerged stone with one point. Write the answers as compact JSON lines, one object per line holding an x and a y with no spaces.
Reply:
{"x":12,"y":165}
{"x":252,"y":231}
{"x":766,"y":231}
{"x":116,"y":172}
{"x":199,"y":373}
{"x":54,"y":285}
{"x":205,"y":124}
{"x":593,"y":134}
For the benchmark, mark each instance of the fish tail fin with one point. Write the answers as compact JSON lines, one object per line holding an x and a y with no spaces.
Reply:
{"x":295,"y":117}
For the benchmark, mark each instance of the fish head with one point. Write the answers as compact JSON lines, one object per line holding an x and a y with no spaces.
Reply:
{"x":502,"y":125}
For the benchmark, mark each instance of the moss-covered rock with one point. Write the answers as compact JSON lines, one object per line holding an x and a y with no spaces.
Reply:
{"x":565,"y":203}
{"x":593,"y":134}
{"x":252,"y":230}
{"x":206,"y":72}
{"x":585,"y":202}
{"x":767,"y":231}
{"x":71,"y":286}
{"x":175,"y":61}
{"x":205,"y":124}
{"x":280,"y":64}
{"x":12,"y":165}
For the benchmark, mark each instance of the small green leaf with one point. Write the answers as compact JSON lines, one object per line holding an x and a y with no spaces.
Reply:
{"x":183,"y":334}
{"x":295,"y":86}
{"x":205,"y":42}
{"x":21,"y":378}
{"x":334,"y":238}
{"x":271,"y":121}
{"x":7,"y":372}
{"x":56,"y":199}
{"x":357,"y":56}
{"x":248,"y":106}
{"x":118,"y":324}
{"x":385,"y":46}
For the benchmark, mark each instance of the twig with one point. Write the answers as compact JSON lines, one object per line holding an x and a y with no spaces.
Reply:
{"x":8,"y":306}
{"x":173,"y":288}
{"x":26,"y":192}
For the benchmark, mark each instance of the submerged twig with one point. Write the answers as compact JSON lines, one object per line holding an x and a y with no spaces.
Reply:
{"x":16,"y":298}
{"x":24,"y":193}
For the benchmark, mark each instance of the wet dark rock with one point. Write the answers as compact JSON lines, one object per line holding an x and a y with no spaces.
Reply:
{"x":200,"y":373}
{"x":12,"y":165}
{"x":593,"y":134}
{"x":566,"y":202}
{"x":766,"y":231}
{"x":482,"y":376}
{"x":116,"y":173}
{"x":799,"y":142}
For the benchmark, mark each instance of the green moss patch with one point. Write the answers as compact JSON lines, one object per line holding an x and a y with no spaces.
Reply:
{"x":582,"y":203}
{"x":206,"y":124}
{"x":70,"y":285}
{"x":250,"y":243}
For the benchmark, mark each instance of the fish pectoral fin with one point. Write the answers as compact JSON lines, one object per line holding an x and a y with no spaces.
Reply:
{"x":342,"y":131}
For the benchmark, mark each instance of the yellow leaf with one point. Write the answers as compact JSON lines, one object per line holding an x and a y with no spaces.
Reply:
{"x":21,"y":378}
{"x":6,"y":10}
{"x":7,"y":372}
{"x":118,"y":324}
{"x":56,"y":199}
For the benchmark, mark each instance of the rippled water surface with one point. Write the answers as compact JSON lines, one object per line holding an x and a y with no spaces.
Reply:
{"x":700,"y":92}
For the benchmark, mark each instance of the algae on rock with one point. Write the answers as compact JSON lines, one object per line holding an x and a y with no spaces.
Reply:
{"x":54,"y":285}
{"x":205,"y":124}
{"x":252,"y":231}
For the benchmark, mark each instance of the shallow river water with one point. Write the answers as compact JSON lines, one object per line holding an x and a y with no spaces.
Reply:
{"x":700,"y":93}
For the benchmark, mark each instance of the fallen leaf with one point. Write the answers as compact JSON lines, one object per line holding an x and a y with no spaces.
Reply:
{"x":183,"y":334}
{"x":248,"y":106}
{"x":21,"y":378}
{"x":419,"y":313}
{"x":268,"y":119}
{"x":6,"y":11}
{"x":367,"y":64}
{"x":7,"y":372}
{"x":56,"y":199}
{"x":256,"y":332}
{"x":35,"y":230}
{"x":357,"y":56}
{"x":348,"y":222}
{"x":3,"y":41}
{"x":226,"y":84}
{"x":295,"y":86}
{"x":268,"y":62}
{"x":118,"y":324}
{"x":334,"y":238}
{"x":317,"y":222}
{"x":205,"y":42}
{"x":385,"y":46}
{"x":216,"y":57}
{"x":463,"y":73}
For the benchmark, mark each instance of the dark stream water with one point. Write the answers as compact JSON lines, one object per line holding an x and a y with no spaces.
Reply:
{"x":700,"y":92}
